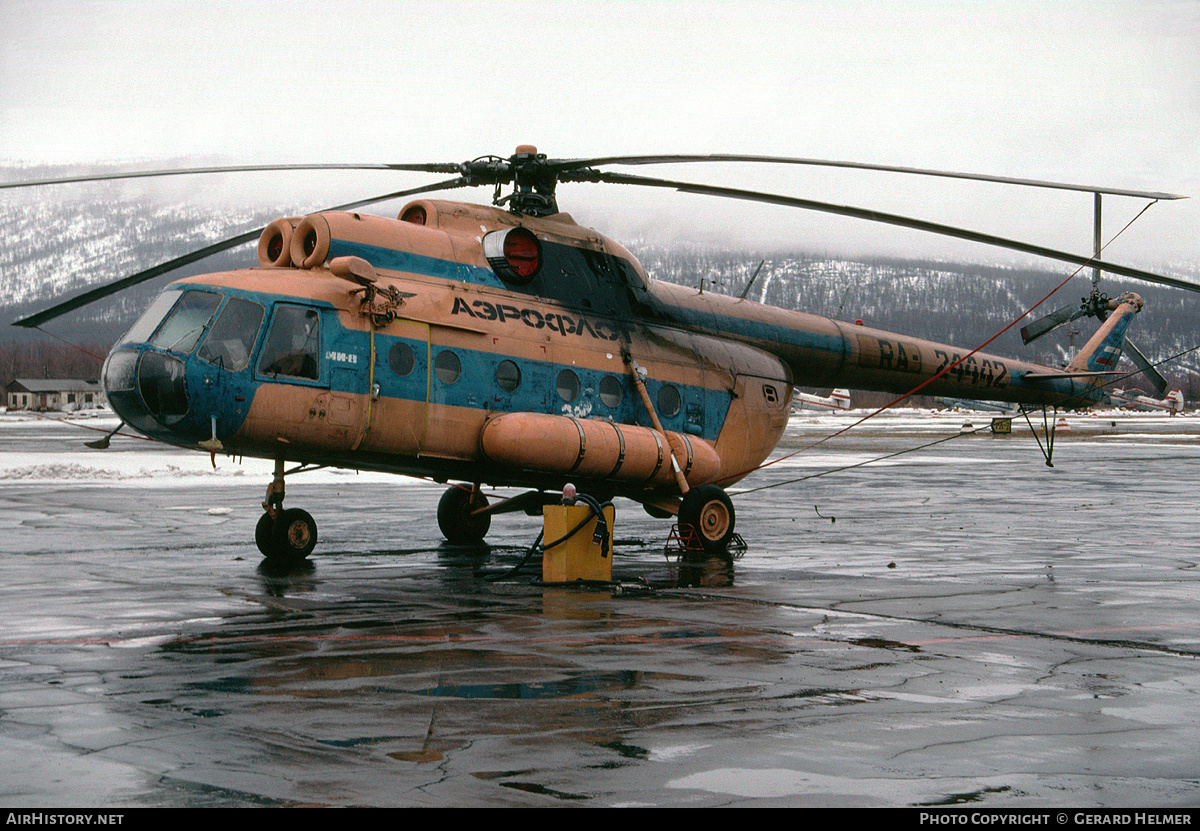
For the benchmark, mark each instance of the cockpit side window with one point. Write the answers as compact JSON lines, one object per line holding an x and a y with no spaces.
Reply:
{"x":293,"y":346}
{"x":186,"y":322}
{"x":231,"y":339}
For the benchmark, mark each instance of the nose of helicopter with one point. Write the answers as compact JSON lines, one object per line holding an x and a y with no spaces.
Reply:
{"x":148,"y":389}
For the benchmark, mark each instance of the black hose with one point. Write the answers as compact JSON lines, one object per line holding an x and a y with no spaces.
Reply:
{"x":597,"y":511}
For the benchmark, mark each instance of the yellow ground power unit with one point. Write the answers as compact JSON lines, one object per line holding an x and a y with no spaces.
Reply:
{"x":582,"y":556}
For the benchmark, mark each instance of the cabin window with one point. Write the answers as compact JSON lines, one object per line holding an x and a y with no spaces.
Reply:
{"x":611,"y":391}
{"x":508,"y":376}
{"x":186,"y":322}
{"x":447,"y":367}
{"x":669,"y":401}
{"x":293,"y":347}
{"x":568,"y":385}
{"x":402,"y":359}
{"x":231,"y":339}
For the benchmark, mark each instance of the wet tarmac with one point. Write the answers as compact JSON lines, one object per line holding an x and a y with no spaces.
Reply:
{"x":960,"y":625}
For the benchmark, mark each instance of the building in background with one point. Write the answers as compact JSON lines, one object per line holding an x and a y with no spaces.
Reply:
{"x":63,"y":394}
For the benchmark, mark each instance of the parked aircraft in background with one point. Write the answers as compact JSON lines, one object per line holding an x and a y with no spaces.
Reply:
{"x":837,"y":400}
{"x":1137,"y":400}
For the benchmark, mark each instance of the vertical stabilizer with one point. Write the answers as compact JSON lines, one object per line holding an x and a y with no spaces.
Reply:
{"x":1175,"y":398}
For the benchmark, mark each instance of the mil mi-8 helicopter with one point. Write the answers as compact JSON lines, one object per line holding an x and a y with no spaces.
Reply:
{"x":506,"y":345}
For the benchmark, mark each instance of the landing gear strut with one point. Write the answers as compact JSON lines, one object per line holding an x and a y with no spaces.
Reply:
{"x":283,"y":534}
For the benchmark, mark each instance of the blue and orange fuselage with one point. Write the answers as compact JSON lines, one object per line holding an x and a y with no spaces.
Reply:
{"x":467,"y":342}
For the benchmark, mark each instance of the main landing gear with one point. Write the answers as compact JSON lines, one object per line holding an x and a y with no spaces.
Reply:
{"x":456,"y":515}
{"x":464,"y":516}
{"x":709,"y":511}
{"x":281,"y":534}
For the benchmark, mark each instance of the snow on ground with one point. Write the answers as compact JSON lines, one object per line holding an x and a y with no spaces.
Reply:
{"x":50,"y":448}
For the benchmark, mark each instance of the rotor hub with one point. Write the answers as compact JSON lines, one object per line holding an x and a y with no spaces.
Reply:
{"x":533,"y":177}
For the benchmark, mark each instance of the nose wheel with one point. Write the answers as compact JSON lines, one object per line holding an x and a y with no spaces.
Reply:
{"x":290,"y":535}
{"x":284,"y":534}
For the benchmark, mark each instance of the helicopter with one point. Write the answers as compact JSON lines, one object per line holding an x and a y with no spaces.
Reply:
{"x":506,"y":345}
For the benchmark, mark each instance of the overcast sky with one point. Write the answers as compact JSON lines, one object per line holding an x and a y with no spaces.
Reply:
{"x":1091,"y":92}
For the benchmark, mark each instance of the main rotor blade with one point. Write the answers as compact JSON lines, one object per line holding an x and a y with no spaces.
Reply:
{"x":1153,"y":375}
{"x":566,"y":165}
{"x":109,"y":289}
{"x":188,"y":171}
{"x":1050,"y":322}
{"x":591,"y":175}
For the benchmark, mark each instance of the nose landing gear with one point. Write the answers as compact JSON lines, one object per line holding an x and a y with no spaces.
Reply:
{"x":281,"y":534}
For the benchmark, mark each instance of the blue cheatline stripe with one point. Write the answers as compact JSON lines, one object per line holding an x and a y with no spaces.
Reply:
{"x":701,"y":413}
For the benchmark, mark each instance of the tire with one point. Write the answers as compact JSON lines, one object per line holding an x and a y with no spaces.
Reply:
{"x":709,"y":511}
{"x":295,"y":535}
{"x":264,"y":535}
{"x":455,"y":520}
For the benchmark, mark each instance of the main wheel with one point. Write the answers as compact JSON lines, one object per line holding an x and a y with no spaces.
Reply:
{"x":294,"y":535}
{"x":456,"y":521}
{"x":709,"y":510}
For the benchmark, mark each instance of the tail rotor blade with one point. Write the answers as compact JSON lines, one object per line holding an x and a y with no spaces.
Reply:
{"x":1052,"y":321}
{"x":1154,"y":376}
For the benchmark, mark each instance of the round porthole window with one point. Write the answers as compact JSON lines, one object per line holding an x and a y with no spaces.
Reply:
{"x":610,"y":391}
{"x":568,"y":385}
{"x":401,"y":359}
{"x":669,"y":400}
{"x":447,"y":367}
{"x":508,"y":376}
